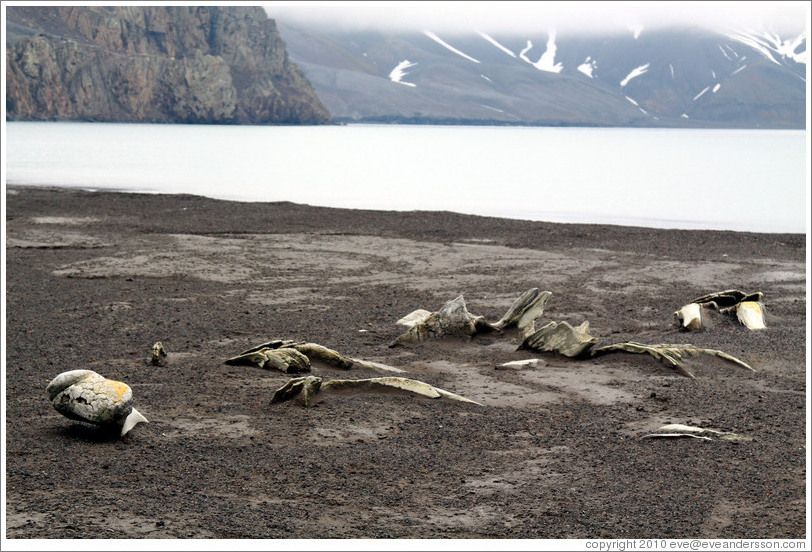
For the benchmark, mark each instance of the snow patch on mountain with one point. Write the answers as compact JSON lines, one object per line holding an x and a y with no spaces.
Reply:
{"x":547,"y":60}
{"x":397,"y":74}
{"x":496,"y":43}
{"x":444,"y":44}
{"x":636,"y":72}
{"x":588,"y":67}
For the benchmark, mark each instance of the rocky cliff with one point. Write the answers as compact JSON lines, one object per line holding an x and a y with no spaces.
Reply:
{"x":175,"y":64}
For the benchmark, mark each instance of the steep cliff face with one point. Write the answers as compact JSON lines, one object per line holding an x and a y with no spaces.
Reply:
{"x":153,"y":64}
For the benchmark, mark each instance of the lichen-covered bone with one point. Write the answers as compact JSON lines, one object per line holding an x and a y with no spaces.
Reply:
{"x":669,"y":354}
{"x":672,"y":431}
{"x":157,"y":356}
{"x":689,"y":317}
{"x":87,"y":396}
{"x":309,"y":386}
{"x":562,"y":338}
{"x":453,"y":319}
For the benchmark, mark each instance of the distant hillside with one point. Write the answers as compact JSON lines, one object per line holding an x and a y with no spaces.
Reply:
{"x":682,"y":77}
{"x":153,"y":64}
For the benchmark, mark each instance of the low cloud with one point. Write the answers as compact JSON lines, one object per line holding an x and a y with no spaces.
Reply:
{"x":508,"y":16}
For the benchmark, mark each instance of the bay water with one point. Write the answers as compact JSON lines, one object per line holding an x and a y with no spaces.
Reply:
{"x":743,"y":180}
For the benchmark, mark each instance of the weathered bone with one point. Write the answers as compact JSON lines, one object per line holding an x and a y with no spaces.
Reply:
{"x":751,"y":314}
{"x":748,"y":307}
{"x":724,"y":300}
{"x":89,"y":397}
{"x":157,"y":356}
{"x":285,"y":359}
{"x":277,"y":354}
{"x":309,"y":386}
{"x":680,"y":430}
{"x":453,"y":319}
{"x":689,"y":317}
{"x":414,"y":318}
{"x":524,"y":311}
{"x":562,"y":338}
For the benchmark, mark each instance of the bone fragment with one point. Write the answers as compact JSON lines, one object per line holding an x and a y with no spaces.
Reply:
{"x":562,"y":338}
{"x":519,"y":364}
{"x":414,"y":318}
{"x":689,"y":317}
{"x":89,"y":397}
{"x":157,"y":356}
{"x":524,"y":311}
{"x":751,"y":314}
{"x":680,"y":430}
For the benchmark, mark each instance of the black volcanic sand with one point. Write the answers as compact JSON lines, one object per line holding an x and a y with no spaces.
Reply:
{"x":554,"y":451}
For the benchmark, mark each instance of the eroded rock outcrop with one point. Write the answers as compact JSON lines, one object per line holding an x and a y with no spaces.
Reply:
{"x":176,"y":64}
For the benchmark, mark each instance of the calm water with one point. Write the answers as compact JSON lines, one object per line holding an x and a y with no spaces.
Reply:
{"x":751,"y":180}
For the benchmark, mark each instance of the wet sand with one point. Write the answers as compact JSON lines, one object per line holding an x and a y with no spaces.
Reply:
{"x":553,"y":451}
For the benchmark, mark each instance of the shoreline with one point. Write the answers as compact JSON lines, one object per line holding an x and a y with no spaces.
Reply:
{"x":552,"y":451}
{"x":16,"y":188}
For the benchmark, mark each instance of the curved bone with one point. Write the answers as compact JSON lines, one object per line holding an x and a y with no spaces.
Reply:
{"x":669,"y":354}
{"x":87,"y":396}
{"x":309,"y":386}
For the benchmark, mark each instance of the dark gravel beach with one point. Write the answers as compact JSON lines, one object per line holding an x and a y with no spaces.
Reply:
{"x":94,"y":279}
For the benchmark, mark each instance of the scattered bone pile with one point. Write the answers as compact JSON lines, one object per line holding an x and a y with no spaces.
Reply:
{"x":87,"y":396}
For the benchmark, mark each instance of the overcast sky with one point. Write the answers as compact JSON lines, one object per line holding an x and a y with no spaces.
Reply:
{"x":562,"y":16}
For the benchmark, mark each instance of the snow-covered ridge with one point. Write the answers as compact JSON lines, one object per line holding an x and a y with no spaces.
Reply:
{"x":769,"y":44}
